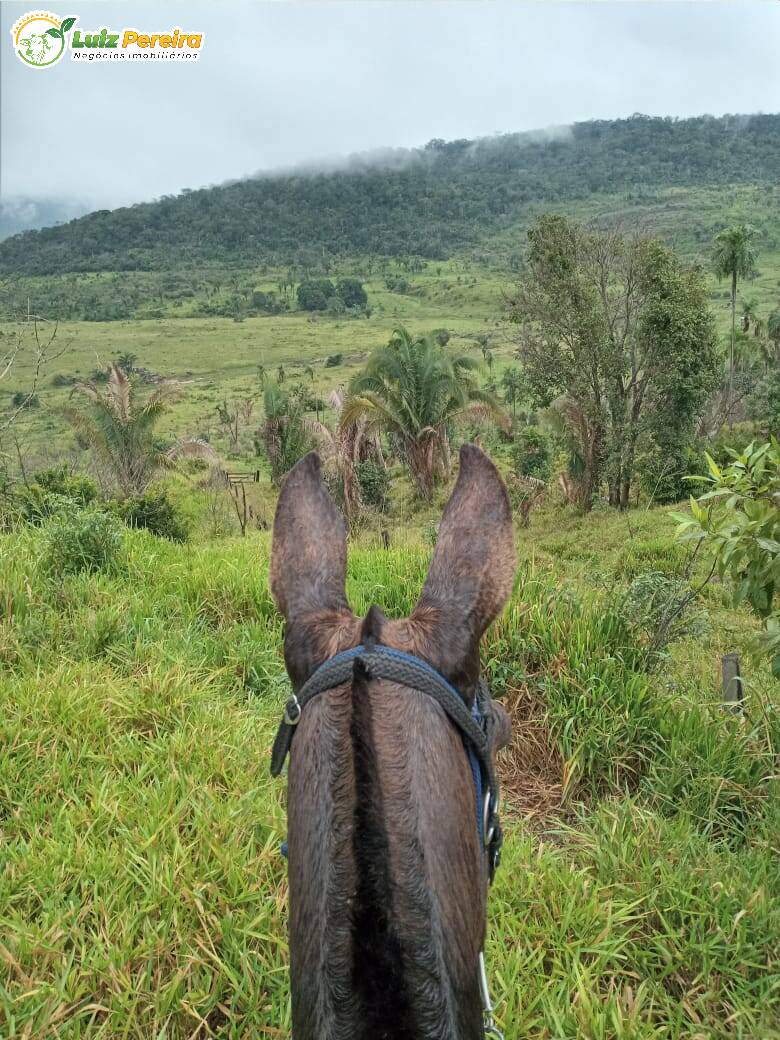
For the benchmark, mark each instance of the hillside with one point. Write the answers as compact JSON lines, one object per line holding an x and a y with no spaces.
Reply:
{"x":432,"y":202}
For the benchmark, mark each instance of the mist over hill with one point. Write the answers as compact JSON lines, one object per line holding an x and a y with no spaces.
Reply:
{"x":429,"y":202}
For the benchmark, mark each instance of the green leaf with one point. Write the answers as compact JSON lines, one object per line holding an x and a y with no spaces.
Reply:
{"x":55,"y":33}
{"x":67,"y":24}
{"x":713,"y":467}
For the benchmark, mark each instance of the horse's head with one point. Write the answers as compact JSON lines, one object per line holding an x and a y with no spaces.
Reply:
{"x":388,"y":876}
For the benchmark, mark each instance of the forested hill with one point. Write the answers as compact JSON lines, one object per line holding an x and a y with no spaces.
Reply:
{"x":430,"y":202}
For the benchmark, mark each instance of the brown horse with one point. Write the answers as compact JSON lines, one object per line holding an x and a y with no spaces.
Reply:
{"x":388,"y":876}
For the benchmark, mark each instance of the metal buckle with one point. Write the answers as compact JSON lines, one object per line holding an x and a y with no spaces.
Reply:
{"x":292,"y":706}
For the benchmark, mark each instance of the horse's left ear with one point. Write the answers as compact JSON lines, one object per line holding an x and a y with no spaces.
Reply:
{"x":308,"y":568}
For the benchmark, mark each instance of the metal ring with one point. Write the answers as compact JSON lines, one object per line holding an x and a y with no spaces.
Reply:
{"x":292,"y":705}
{"x":487,"y":830}
{"x":489,"y":812}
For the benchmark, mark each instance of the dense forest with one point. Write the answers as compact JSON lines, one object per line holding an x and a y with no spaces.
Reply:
{"x":428,"y":202}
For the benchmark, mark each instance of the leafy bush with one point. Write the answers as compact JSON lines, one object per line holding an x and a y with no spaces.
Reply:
{"x":335,"y":305}
{"x":765,"y":404}
{"x":155,"y":512}
{"x":53,"y":491}
{"x":23,"y":399}
{"x":84,"y":540}
{"x":374,"y":483}
{"x":531,"y":453}
{"x":351,"y":292}
{"x":657,"y":611}
{"x":738,"y":520}
{"x":333,"y":360}
{"x":664,"y":472}
{"x":313,"y":295}
{"x":731,"y":439}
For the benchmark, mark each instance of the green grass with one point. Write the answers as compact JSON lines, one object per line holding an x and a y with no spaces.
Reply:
{"x":142,"y":894}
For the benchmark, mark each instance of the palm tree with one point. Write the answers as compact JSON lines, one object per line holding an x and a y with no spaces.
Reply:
{"x":343,"y":450}
{"x":414,"y":391}
{"x":512,"y":382}
{"x":733,"y":257}
{"x":286,"y":433}
{"x":120,"y":431}
{"x":309,"y":371}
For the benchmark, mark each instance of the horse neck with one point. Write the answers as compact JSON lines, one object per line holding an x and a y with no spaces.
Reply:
{"x":387,"y":885}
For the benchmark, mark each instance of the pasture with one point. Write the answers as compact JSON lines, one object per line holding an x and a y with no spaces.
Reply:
{"x":143,"y":894}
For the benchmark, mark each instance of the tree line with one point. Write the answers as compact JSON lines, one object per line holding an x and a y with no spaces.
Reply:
{"x":437,"y":200}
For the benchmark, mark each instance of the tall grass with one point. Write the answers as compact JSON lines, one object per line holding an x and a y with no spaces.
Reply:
{"x":142,"y":894}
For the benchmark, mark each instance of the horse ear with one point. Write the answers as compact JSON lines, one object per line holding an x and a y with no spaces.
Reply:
{"x":471,"y":574}
{"x":308,"y":571}
{"x":309,"y":553}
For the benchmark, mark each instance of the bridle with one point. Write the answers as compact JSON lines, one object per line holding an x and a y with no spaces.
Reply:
{"x":476,"y":727}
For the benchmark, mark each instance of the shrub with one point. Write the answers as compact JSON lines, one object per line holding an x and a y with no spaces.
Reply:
{"x":155,"y":512}
{"x":351,"y":292}
{"x":531,"y":453}
{"x":313,"y":295}
{"x":54,"y":491}
{"x":335,"y":305}
{"x":23,"y":399}
{"x":765,"y":404}
{"x":657,"y":611}
{"x":664,"y":473}
{"x":333,"y":360}
{"x":374,"y":483}
{"x":84,"y":540}
{"x":61,"y":379}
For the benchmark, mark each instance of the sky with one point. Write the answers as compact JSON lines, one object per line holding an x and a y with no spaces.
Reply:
{"x":284,"y":82}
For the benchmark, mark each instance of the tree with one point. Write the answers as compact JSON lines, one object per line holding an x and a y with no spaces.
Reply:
{"x":120,"y":430}
{"x":231,"y":414}
{"x":733,"y":257}
{"x":313,"y":295}
{"x":353,"y":444}
{"x":351,"y":292}
{"x":286,"y":435}
{"x":619,"y":332}
{"x":512,"y":382}
{"x":126,"y":361}
{"x":414,"y":391}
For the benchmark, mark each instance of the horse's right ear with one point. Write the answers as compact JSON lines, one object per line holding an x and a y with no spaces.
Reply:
{"x":471,"y":573}
{"x":308,"y":567}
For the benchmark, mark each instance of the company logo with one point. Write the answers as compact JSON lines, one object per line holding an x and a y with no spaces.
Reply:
{"x":39,"y":38}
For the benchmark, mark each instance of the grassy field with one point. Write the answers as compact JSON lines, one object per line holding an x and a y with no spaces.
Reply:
{"x":142,"y":893}
{"x":215,"y":358}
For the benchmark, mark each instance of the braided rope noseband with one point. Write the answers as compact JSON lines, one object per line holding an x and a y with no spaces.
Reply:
{"x":475,"y":726}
